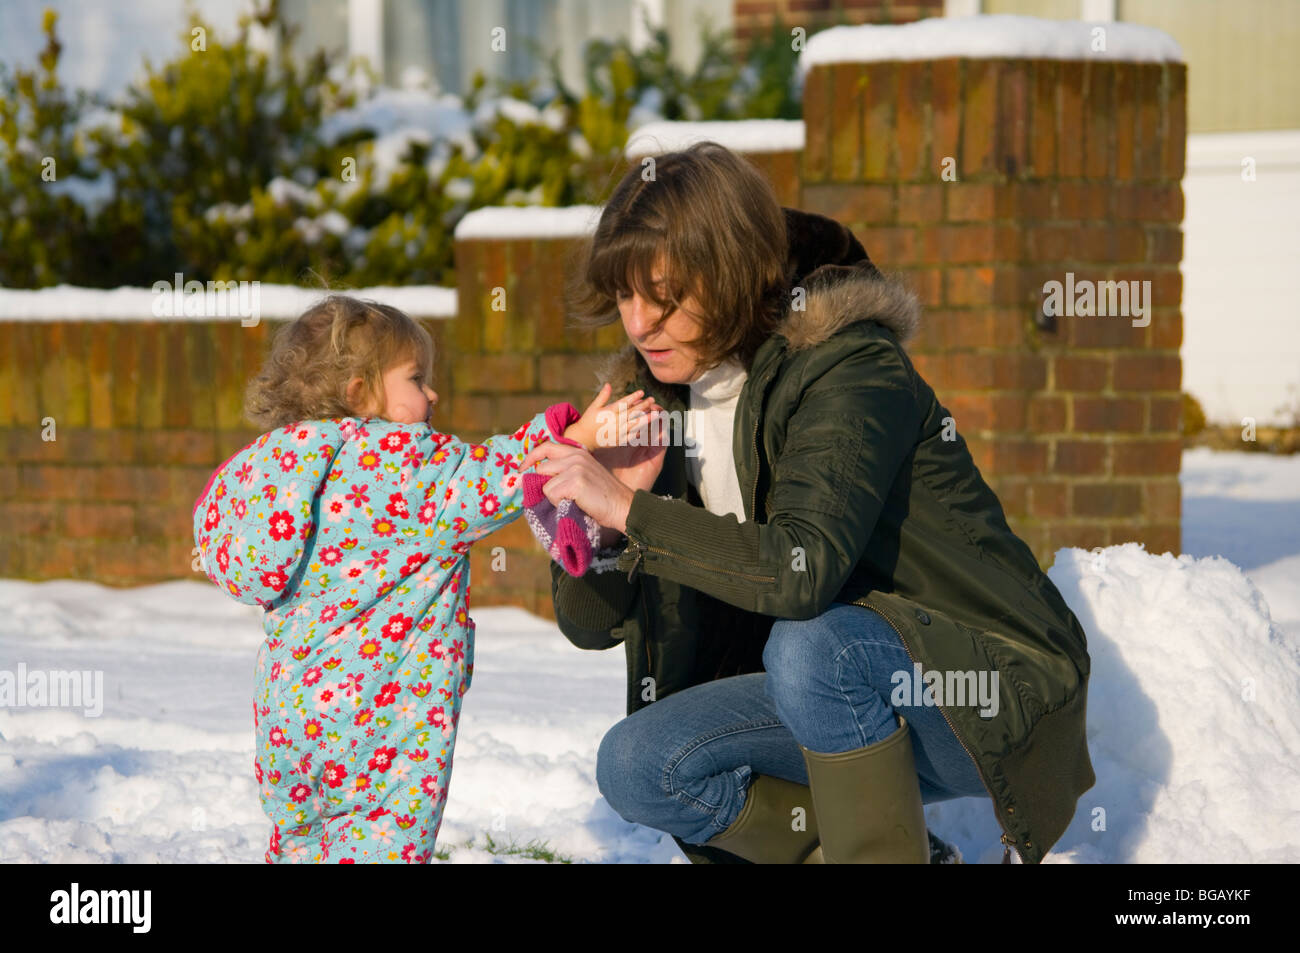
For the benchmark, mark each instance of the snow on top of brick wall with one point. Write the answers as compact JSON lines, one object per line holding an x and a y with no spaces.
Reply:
{"x":70,"y":303}
{"x":990,"y":37}
{"x":744,"y":135}
{"x":529,"y":221}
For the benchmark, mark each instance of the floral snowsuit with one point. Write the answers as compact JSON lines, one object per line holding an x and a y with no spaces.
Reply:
{"x":353,"y":534}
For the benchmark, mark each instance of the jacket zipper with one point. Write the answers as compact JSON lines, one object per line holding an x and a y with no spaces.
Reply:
{"x":1007,"y":840}
{"x":642,"y":548}
{"x":633,"y":542}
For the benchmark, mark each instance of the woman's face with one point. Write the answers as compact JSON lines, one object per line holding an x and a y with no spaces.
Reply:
{"x":668,"y":350}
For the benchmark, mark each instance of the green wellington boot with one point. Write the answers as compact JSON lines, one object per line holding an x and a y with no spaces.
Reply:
{"x":868,"y":803}
{"x":763,"y":831}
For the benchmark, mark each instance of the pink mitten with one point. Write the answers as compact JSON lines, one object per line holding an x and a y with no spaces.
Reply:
{"x":567,"y":534}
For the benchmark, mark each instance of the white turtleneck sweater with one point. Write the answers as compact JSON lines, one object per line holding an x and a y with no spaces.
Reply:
{"x":710,"y":465}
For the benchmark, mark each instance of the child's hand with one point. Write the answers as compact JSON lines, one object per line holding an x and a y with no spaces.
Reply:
{"x":603,"y":425}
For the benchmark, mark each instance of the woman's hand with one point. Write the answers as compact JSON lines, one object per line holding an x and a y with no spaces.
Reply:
{"x":577,"y":475}
{"x":637,"y":467}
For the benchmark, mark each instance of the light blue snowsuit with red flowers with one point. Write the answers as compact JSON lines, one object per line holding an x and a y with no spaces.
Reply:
{"x":353,"y":534}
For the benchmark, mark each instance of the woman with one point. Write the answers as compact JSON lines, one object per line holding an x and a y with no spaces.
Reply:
{"x":826,"y":618}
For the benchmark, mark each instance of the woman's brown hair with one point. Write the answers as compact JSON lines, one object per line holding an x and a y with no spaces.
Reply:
{"x":306,"y":375}
{"x":716,"y":223}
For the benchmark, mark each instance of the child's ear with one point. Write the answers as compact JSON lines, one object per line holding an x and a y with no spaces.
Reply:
{"x":355,"y":394}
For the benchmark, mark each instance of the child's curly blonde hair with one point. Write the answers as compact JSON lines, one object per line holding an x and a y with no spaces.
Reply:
{"x":313,"y":358}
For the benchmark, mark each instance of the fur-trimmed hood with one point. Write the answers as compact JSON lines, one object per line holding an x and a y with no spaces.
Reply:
{"x":841,"y":287}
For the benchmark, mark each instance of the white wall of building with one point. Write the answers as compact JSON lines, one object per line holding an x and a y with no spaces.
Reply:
{"x":1241,"y":259}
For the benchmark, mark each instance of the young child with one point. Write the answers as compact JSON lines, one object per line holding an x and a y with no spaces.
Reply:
{"x":350,"y":523}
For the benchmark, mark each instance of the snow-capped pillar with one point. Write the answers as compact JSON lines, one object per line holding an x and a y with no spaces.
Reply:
{"x":1010,"y":166}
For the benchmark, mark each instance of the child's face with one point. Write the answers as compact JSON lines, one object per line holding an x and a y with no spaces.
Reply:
{"x":408,"y":395}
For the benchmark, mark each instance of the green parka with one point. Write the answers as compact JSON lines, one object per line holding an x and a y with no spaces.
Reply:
{"x":852,"y":494}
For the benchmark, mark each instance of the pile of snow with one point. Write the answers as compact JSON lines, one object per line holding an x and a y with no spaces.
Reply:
{"x":746,"y":135}
{"x":1193,"y":723}
{"x":528,"y":221}
{"x":990,"y":37}
{"x":70,"y":303}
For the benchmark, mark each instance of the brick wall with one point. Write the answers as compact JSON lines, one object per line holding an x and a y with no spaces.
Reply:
{"x":1060,"y":167}
{"x":145,"y":410}
{"x":133,"y":431}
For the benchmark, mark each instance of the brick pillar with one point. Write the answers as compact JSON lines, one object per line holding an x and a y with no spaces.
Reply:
{"x":1057,"y":167}
{"x":509,"y":355}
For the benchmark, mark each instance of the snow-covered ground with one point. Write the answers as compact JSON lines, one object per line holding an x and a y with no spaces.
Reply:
{"x":1194,"y":726}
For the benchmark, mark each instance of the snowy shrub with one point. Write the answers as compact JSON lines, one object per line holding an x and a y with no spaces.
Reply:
{"x":218,"y":128}
{"x":45,"y":175}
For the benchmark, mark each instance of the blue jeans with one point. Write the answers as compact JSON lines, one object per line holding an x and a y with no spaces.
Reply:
{"x":683,"y":764}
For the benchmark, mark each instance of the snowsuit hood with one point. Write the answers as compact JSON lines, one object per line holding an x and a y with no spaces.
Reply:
{"x":262,"y":574}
